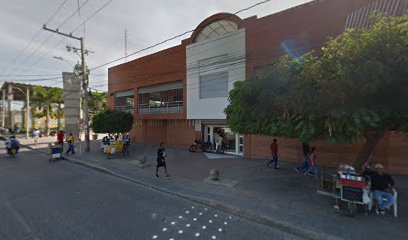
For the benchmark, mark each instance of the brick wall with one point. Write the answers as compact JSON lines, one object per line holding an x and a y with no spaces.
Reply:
{"x":391,"y":151}
{"x":181,"y":137}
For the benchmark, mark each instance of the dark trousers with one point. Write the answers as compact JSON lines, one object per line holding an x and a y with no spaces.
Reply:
{"x":304,"y":165}
{"x":71,"y":148}
{"x":274,"y":159}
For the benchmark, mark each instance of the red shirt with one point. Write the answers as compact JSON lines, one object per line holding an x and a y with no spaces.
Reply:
{"x":274,"y":148}
{"x":60,"y":137}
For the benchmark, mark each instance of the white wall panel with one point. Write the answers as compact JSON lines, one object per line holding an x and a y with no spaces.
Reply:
{"x":226,"y":53}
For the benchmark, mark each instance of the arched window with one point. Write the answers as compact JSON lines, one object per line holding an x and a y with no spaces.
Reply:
{"x":215,"y":29}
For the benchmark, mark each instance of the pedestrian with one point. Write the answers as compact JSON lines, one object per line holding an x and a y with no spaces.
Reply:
{"x":60,"y":140}
{"x":36,"y":134}
{"x":126,"y":144}
{"x":274,"y":153}
{"x":312,"y":163}
{"x":106,"y":144}
{"x":71,"y":142}
{"x":161,"y":160}
{"x":382,"y":185}
{"x":305,"y":163}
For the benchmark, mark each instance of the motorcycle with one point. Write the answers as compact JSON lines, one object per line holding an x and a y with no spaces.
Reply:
{"x":12,"y":152}
{"x":204,"y":146}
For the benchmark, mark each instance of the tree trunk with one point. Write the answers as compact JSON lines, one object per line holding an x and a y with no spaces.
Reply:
{"x":47,"y":122}
{"x":372,"y":139}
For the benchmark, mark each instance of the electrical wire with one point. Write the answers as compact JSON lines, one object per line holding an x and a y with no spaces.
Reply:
{"x":36,"y":35}
{"x":168,"y":39}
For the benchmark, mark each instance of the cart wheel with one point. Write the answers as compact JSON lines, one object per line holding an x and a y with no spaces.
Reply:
{"x":351,"y":209}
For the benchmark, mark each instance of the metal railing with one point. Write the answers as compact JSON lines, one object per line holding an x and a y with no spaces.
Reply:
{"x":125,"y":108}
{"x":165,"y":107}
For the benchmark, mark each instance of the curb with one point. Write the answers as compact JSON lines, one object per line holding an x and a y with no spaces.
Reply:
{"x":254,"y":217}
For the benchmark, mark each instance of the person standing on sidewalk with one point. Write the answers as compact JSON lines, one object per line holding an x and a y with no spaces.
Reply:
{"x":36,"y":135}
{"x":274,"y":153}
{"x":161,"y":160}
{"x":60,"y":140}
{"x":71,"y":142}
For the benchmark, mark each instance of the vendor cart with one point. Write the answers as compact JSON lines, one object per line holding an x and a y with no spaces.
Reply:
{"x":56,"y":153}
{"x":352,"y":189}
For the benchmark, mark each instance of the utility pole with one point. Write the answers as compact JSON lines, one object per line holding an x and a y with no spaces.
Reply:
{"x":9,"y":99}
{"x":3,"y":112}
{"x":27,"y":118}
{"x":84,"y":84}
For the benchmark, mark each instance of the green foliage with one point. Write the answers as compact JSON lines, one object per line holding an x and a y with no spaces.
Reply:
{"x":43,"y":98}
{"x":355,"y":87}
{"x":112,"y":122}
{"x":98,"y":102}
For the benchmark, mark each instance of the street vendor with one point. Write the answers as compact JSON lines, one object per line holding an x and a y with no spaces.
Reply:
{"x":382,"y":185}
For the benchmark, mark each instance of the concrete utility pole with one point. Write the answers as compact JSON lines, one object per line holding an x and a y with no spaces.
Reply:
{"x":9,"y":99}
{"x":3,"y":113}
{"x":84,"y":84}
{"x":27,"y":118}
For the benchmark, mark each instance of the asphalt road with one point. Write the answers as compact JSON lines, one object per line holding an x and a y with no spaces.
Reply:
{"x":39,"y":200}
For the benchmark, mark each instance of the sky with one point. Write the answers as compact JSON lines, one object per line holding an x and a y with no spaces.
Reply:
{"x":29,"y":54}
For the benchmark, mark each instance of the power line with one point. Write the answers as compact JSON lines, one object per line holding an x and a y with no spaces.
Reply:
{"x":46,"y":40}
{"x":92,"y":15}
{"x":265,"y":53}
{"x":73,"y":14}
{"x":55,"y":13}
{"x":66,"y":20}
{"x":250,"y":7}
{"x":169,"y":39}
{"x":28,"y":75}
{"x":36,"y":34}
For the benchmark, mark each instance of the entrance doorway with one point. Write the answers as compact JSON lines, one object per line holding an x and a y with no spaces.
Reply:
{"x":234,"y":142}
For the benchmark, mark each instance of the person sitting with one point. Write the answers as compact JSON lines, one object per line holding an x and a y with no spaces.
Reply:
{"x":12,"y":143}
{"x":382,"y":186}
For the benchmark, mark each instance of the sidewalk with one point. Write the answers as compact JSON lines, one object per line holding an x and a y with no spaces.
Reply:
{"x":280,"y":198}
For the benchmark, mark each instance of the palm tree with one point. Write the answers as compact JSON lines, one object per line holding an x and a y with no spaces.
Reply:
{"x":43,"y":99}
{"x":58,"y":98}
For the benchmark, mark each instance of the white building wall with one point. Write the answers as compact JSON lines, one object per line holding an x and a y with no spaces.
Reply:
{"x":224,"y":53}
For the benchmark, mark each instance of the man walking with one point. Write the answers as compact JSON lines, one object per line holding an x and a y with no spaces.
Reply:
{"x":161,"y":160}
{"x":71,"y":146}
{"x":274,"y":153}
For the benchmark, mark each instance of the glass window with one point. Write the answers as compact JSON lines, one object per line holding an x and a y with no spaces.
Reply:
{"x":167,"y":101}
{"x":215,"y":29}
{"x":214,"y":85}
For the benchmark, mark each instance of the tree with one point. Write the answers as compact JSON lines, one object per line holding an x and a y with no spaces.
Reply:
{"x":112,"y":122}
{"x":58,"y":98}
{"x":98,"y":102}
{"x":43,"y":98}
{"x":355,"y":89}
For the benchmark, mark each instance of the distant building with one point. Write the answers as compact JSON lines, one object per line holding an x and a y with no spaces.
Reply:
{"x":178,"y":94}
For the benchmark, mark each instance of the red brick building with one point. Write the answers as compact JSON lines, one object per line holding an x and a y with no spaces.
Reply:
{"x":178,"y":94}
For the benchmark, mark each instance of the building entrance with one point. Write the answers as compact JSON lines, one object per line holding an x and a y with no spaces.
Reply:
{"x":233,"y":142}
